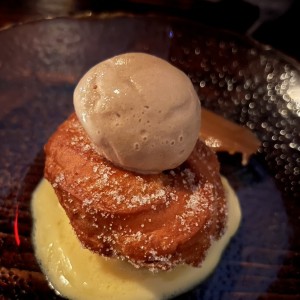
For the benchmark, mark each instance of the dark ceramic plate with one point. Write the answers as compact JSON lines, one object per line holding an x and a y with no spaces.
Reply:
{"x":40,"y":64}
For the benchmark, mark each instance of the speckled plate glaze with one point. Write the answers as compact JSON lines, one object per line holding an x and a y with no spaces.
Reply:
{"x":253,"y":85}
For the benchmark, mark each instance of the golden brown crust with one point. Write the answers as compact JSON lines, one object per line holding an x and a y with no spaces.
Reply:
{"x":156,"y":221}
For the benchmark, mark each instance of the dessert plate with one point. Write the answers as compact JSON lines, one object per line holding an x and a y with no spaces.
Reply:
{"x":248,"y":83}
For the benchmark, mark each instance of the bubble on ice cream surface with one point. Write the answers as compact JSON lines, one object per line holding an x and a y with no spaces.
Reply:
{"x":140,"y":112}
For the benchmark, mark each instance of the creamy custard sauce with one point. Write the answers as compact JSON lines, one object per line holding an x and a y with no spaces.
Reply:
{"x":77,"y":273}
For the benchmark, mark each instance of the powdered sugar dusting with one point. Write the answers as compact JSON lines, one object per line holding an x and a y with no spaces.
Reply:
{"x":153,"y":214}
{"x":58,"y":179}
{"x":147,"y":198}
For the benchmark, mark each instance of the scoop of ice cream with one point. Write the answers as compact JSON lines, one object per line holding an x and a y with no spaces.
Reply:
{"x":140,"y":112}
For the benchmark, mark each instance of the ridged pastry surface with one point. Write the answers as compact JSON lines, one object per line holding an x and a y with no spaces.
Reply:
{"x":155,"y":221}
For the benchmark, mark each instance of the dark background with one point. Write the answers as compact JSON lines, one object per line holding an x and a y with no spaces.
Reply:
{"x":272,"y":22}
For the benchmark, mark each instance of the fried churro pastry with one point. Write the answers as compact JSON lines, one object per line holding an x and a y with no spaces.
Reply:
{"x":155,"y":221}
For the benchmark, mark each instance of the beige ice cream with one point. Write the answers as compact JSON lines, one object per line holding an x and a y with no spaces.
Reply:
{"x":140,"y":112}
